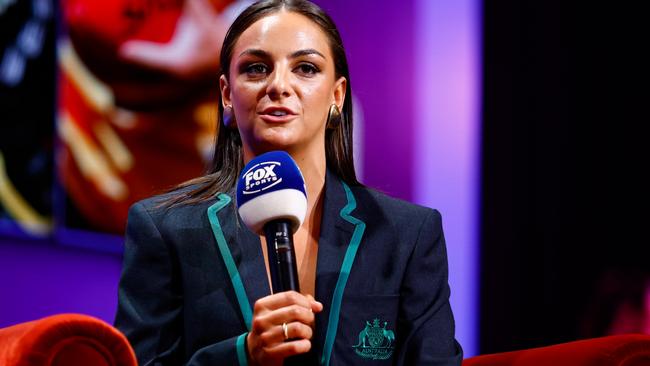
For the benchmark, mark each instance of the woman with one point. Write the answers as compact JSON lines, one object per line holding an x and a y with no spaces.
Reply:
{"x":376,"y":265}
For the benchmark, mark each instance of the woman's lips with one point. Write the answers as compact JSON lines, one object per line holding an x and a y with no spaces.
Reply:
{"x":277,"y":119}
{"x":277,"y":115}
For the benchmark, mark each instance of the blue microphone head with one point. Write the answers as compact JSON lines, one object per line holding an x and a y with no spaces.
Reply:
{"x":271,"y":187}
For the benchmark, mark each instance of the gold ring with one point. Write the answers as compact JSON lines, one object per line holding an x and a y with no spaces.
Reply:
{"x":285,"y":329}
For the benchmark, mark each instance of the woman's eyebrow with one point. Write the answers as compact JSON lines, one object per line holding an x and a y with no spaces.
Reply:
{"x":263,"y":54}
{"x":306,"y":52}
{"x":255,"y":52}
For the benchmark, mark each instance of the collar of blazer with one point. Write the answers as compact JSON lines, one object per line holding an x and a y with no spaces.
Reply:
{"x":340,"y":237}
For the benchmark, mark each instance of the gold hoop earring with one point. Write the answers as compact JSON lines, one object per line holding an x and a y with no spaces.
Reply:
{"x":228,"y":117}
{"x":333,"y":117}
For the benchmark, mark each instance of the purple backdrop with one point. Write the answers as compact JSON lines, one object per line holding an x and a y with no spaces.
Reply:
{"x":446,"y":164}
{"x":39,"y":279}
{"x":379,"y":40}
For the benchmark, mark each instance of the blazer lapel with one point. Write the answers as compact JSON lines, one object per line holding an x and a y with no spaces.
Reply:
{"x":336,"y":235}
{"x":244,"y":247}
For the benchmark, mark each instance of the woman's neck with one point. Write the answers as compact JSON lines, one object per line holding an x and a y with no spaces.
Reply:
{"x":314,"y":170}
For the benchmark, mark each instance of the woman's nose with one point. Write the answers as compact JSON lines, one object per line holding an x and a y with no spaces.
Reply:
{"x":279,"y":85}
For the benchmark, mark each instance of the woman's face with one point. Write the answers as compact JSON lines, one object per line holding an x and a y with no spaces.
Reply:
{"x":281,"y":85}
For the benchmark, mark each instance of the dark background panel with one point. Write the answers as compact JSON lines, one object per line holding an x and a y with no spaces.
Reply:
{"x":563,"y":159}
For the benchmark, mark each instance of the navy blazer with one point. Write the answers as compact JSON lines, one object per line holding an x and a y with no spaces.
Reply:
{"x":192,"y":273}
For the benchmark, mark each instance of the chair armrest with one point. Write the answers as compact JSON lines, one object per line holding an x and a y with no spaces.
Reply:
{"x":65,"y":339}
{"x":618,"y":350}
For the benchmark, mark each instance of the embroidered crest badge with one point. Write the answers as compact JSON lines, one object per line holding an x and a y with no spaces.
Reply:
{"x":375,"y":341}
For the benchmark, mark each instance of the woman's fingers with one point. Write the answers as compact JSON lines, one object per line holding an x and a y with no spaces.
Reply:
{"x":295,"y":331}
{"x":286,"y":349}
{"x":291,"y":313}
{"x":287,"y":314}
{"x":270,"y":341}
{"x":316,"y":306}
{"x":284,"y":299}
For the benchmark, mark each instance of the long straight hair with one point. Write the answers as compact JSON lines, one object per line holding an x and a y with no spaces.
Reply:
{"x":228,"y":161}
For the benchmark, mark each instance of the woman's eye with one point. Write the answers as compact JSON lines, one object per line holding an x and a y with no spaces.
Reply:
{"x":256,"y":69}
{"x":307,"y":69}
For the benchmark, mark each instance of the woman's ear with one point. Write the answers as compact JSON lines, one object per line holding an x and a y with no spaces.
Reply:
{"x":340,"y":89}
{"x":229,"y":120}
{"x":225,"y":91}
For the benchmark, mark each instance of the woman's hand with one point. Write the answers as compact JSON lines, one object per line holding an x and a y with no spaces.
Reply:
{"x":266,"y":340}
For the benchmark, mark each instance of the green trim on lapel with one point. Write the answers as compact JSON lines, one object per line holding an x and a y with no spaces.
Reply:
{"x":337,"y":298}
{"x":242,"y":358}
{"x":235,"y":278}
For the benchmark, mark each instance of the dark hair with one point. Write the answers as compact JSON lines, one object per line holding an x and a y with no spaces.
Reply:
{"x":228,"y":157}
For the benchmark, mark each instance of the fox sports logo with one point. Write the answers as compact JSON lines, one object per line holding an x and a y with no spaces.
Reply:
{"x":261,"y":177}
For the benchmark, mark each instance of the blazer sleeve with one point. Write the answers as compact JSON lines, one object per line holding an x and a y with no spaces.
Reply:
{"x":150,"y":302}
{"x":426,"y":320}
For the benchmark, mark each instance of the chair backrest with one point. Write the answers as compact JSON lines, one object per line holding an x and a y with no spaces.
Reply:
{"x":618,"y":350}
{"x":65,"y":340}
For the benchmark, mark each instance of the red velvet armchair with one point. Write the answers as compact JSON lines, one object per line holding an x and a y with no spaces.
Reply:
{"x":619,"y":350}
{"x":64,"y":340}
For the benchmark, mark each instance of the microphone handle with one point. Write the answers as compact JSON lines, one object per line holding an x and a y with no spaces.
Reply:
{"x":282,"y":258}
{"x":282,"y":265}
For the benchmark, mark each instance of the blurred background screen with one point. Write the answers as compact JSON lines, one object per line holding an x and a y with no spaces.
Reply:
{"x":86,"y":132}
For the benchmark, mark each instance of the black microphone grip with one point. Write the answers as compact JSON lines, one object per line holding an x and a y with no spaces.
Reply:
{"x":282,"y":258}
{"x":283,"y":268}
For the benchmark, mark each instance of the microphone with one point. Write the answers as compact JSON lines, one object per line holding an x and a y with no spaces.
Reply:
{"x":272,"y":200}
